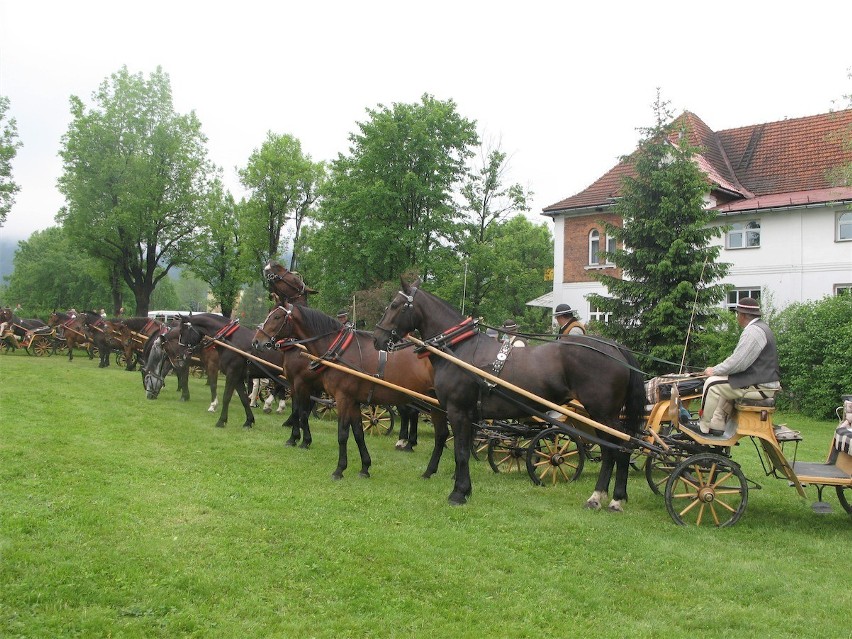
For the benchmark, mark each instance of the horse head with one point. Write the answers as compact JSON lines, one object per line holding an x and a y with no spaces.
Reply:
{"x":400,"y":317}
{"x":285,"y":285}
{"x":273,"y":328}
{"x":152,"y":372}
{"x":188,"y":335}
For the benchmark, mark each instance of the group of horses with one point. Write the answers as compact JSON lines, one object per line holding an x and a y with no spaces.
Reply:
{"x":311,"y":353}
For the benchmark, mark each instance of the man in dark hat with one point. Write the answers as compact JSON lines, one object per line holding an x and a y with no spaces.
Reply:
{"x":567,"y":321}
{"x":343,"y":316}
{"x":510,"y":327}
{"x":750,"y":372}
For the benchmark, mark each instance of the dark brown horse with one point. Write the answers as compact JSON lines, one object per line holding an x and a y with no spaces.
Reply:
{"x":208,"y":330}
{"x":603,"y":376}
{"x":324,"y":336}
{"x":138,"y":331}
{"x":71,"y":326}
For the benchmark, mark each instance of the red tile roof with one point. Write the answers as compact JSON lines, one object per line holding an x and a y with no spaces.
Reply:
{"x":788,"y":160}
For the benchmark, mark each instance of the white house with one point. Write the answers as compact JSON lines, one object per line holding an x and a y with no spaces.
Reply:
{"x":791,"y":229}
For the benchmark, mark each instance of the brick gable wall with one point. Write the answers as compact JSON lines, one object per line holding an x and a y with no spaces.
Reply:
{"x":576,"y":242}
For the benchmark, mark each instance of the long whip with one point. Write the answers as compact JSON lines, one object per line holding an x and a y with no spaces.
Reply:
{"x":692,"y":316}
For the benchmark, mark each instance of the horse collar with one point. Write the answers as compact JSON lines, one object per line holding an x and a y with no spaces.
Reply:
{"x":452,"y":336}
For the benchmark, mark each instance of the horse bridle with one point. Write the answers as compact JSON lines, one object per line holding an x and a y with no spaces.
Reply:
{"x":287,"y":312}
{"x":407,"y":306}
{"x":300,"y":292}
{"x":190,"y":327}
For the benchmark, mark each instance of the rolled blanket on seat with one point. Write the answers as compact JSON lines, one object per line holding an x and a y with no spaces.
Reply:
{"x":843,"y":439}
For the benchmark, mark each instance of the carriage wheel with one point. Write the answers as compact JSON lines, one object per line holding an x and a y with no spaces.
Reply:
{"x":658,"y":470}
{"x":5,"y":347}
{"x":844,"y":493}
{"x":325,"y":408}
{"x":507,"y":454}
{"x":41,"y":346}
{"x":377,"y":420}
{"x":706,"y":489}
{"x":60,"y":347}
{"x":197,"y":372}
{"x":554,"y":457}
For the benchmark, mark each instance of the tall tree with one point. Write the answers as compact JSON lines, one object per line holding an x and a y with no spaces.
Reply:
{"x":388,"y":205}
{"x":9,"y":145}
{"x":53,"y":273}
{"x":135,"y":177}
{"x":669,"y":268}
{"x":284,"y":184}
{"x":842,"y":175}
{"x":488,"y":203}
{"x":218,"y":257}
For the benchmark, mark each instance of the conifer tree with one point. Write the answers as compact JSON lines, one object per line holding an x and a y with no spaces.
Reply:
{"x":669,"y":284}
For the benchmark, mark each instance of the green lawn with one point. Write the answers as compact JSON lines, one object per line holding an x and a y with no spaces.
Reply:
{"x":124,"y":517}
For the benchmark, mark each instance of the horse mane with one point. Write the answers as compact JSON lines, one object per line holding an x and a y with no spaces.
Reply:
{"x":446,"y":305}
{"x":317,"y":322}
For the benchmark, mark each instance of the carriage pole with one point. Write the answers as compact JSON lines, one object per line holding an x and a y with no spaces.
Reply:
{"x":520,"y":391}
{"x":259,"y":360}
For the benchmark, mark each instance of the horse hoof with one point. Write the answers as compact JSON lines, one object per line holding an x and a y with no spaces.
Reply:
{"x":305,"y":445}
{"x":267,"y":410}
{"x":400,"y":444}
{"x":220,"y":425}
{"x":336,"y":476}
{"x":457,"y":499}
{"x":184,"y":399}
{"x":365,"y":474}
{"x":290,"y":442}
{"x":593,"y":505}
{"x":426,"y":476}
{"x":247,"y":425}
{"x":408,"y":448}
{"x":615,"y":507}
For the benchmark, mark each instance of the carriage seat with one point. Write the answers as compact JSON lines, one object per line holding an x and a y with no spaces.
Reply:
{"x":843,"y":440}
{"x":785,"y":434}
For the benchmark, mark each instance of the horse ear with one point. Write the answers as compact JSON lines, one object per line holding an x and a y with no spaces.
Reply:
{"x":311,"y":291}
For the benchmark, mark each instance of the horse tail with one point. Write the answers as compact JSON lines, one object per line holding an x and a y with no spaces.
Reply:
{"x":634,"y":407}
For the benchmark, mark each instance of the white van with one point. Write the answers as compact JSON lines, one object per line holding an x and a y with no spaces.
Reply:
{"x":166,"y":316}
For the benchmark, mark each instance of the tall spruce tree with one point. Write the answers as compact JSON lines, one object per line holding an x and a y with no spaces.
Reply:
{"x":669,"y":284}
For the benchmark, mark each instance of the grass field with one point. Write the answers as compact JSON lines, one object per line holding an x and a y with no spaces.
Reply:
{"x":124,"y":517}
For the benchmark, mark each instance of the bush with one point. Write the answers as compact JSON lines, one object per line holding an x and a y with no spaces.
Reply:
{"x":814,"y":352}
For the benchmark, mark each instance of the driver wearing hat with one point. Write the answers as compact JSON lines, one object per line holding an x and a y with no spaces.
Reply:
{"x":567,"y":321}
{"x":751,"y":372}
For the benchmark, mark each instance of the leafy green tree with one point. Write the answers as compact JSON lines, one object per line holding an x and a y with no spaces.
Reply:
{"x":842,"y":175}
{"x":52,"y":273}
{"x":165,"y":297}
{"x":218,"y":255}
{"x":669,"y":267}
{"x":135,"y":178}
{"x":192,"y":292}
{"x":814,"y":364}
{"x":9,"y":145}
{"x":388,"y":205}
{"x":284,"y":184}
{"x":488,"y":203}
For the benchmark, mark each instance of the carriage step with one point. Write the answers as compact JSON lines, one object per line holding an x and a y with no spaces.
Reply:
{"x":822,"y":508}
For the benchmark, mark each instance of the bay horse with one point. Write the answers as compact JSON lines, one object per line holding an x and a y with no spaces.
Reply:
{"x":602,"y":375}
{"x":287,"y":287}
{"x":96,"y":328}
{"x":140,"y":329}
{"x":237,"y":368}
{"x":18,"y":325}
{"x":324,"y":336}
{"x":72,"y":327}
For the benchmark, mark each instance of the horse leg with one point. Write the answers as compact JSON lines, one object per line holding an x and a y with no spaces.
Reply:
{"x":342,"y":439}
{"x":463,"y":436}
{"x":602,"y":486}
{"x":183,"y":381}
{"x":439,"y":421}
{"x":255,"y":391}
{"x":212,"y":382}
{"x":242,"y":392}
{"x":358,"y":433}
{"x":402,"y":442}
{"x":619,"y":493}
{"x":226,"y":400}
{"x":304,"y":414}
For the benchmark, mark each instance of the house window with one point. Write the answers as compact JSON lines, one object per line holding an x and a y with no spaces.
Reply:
{"x":844,"y":227}
{"x":744,"y":235}
{"x":610,"y":246}
{"x":596,"y":314}
{"x":594,"y":247}
{"x":737,"y":294}
{"x":843,"y":289}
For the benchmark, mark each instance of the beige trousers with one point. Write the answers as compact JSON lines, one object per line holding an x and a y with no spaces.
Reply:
{"x":717,"y":404}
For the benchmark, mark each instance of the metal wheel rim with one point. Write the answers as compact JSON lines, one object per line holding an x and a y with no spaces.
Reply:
{"x":844,"y":493}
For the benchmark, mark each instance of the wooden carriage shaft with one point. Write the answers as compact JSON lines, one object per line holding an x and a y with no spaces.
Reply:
{"x":525,"y":393}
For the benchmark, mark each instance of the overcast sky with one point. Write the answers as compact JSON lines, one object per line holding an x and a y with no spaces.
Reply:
{"x":562,"y":85}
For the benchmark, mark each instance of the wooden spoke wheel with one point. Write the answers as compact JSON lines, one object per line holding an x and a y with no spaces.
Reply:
{"x":706,"y":489}
{"x":121,"y":359}
{"x":844,"y":494}
{"x":5,"y":347}
{"x":658,"y":470}
{"x":325,"y":408}
{"x":377,"y":420}
{"x":60,"y":347}
{"x":41,"y":346}
{"x":508,"y":454}
{"x":197,"y":372}
{"x":554,"y":457}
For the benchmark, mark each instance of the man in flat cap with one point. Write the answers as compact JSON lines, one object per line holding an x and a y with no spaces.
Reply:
{"x":750,"y":372}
